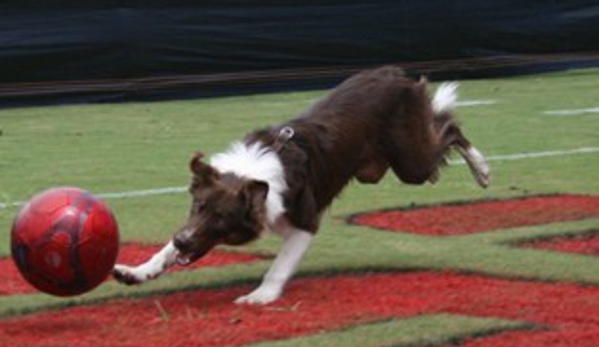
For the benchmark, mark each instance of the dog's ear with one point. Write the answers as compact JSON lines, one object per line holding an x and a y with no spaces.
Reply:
{"x":203,"y":173}
{"x":255,"y":192}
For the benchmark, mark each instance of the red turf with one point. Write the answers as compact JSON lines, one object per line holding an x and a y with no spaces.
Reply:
{"x":447,"y":220}
{"x":13,"y":283}
{"x":587,"y":244}
{"x":569,"y":313}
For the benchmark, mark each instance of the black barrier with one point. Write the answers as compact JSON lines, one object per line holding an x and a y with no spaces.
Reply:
{"x":95,"y":50}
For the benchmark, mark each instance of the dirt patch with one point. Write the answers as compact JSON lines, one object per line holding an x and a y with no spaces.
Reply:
{"x":568,"y":313}
{"x":13,"y":283}
{"x":458,"y":219}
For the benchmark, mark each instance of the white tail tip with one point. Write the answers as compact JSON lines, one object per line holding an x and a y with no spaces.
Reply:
{"x":445,"y":97}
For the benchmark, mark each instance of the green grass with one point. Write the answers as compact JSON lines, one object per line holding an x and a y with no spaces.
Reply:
{"x":123,"y":147}
{"x":416,"y":331}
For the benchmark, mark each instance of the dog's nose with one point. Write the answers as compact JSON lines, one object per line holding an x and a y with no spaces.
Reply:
{"x":181,"y":241}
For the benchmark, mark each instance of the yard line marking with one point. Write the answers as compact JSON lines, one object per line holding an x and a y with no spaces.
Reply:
{"x":11,"y":204}
{"x":117,"y":195}
{"x":142,"y":193}
{"x":178,"y":190}
{"x":468,"y":103}
{"x":574,"y":112}
{"x":519,"y":156}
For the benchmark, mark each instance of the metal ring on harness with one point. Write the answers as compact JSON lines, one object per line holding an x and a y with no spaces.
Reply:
{"x":284,"y":136}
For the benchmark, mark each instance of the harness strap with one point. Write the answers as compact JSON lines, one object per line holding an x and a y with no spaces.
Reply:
{"x":282,"y":138}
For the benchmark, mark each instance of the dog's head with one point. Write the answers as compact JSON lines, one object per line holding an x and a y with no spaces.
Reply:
{"x":226,"y":209}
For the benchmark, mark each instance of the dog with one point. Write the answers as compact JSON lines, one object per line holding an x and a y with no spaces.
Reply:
{"x":280,"y":179}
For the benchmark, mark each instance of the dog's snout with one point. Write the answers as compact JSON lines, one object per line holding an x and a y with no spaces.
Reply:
{"x":182,"y":241}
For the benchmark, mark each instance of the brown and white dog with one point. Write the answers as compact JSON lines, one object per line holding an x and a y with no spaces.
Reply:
{"x":281,"y":179}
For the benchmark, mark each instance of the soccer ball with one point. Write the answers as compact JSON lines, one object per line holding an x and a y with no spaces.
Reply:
{"x":65,"y":241}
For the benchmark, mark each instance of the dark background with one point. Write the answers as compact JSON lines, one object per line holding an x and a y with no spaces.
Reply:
{"x":68,"y":51}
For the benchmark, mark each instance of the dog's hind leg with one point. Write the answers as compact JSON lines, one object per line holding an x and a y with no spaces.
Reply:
{"x":418,"y":139}
{"x":409,"y":140}
{"x":295,"y":245}
{"x":449,"y":134}
{"x":477,"y":164}
{"x":151,"y":269}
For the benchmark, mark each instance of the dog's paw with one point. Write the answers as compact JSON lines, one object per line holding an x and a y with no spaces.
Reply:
{"x":260,"y":296}
{"x":126,"y":275}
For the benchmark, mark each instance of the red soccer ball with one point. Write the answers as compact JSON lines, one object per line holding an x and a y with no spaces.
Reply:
{"x":65,"y":241}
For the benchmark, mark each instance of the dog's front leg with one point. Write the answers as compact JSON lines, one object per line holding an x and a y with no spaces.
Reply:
{"x":151,"y":269}
{"x":294,"y":248}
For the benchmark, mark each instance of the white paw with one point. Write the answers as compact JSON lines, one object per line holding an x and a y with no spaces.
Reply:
{"x":478,"y":165}
{"x":260,"y":296}
{"x":126,"y":275}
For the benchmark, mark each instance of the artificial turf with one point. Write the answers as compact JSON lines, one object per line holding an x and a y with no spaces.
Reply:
{"x":139,"y":146}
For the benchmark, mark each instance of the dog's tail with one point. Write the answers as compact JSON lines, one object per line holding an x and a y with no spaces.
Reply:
{"x":445,"y":98}
{"x":450,"y":135}
{"x":443,"y":103}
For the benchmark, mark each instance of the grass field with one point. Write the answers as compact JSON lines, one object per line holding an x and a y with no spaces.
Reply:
{"x":144,"y":146}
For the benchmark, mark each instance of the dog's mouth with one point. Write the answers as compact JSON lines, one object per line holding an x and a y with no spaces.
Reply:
{"x":185,"y":258}
{"x":188,"y":249}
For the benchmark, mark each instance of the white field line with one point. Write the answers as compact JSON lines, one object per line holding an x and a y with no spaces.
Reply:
{"x":118,"y":195}
{"x":573,"y":112}
{"x":468,"y":103}
{"x":178,"y":190}
{"x":520,"y":156}
{"x":142,"y":193}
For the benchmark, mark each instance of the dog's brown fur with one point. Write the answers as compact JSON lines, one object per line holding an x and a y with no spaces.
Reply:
{"x":372,"y":121}
{"x":375,"y":120}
